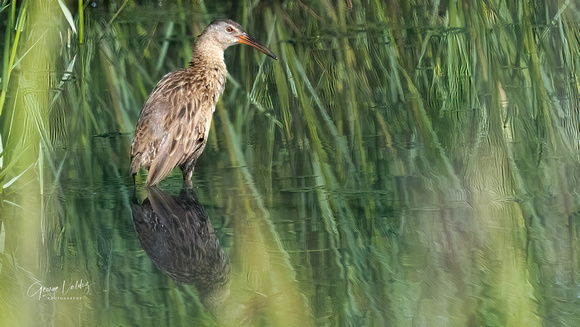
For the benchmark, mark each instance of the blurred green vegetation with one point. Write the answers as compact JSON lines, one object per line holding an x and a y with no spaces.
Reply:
{"x":403,"y":163}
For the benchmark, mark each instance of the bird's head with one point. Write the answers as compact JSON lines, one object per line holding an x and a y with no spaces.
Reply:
{"x":226,"y":32}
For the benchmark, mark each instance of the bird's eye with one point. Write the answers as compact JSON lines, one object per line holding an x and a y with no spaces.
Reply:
{"x":229,"y":29}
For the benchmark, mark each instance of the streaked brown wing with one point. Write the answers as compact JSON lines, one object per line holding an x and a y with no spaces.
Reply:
{"x":178,"y":145}
{"x":168,"y":127}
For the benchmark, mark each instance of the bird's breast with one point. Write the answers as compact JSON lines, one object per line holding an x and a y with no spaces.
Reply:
{"x":217,"y":84}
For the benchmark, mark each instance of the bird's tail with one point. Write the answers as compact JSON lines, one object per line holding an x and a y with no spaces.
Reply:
{"x":161,"y":167}
{"x":135,"y":165}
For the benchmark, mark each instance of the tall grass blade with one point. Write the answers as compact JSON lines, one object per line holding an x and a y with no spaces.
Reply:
{"x":67,"y":14}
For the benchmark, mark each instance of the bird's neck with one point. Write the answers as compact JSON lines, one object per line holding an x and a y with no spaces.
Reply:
{"x":209,"y":69}
{"x":207,"y":54}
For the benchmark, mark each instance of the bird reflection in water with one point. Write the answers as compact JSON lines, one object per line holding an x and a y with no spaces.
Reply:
{"x":176,"y":233}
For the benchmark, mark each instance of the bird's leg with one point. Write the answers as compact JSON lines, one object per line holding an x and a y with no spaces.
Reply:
{"x":187,"y":184}
{"x":187,"y":170}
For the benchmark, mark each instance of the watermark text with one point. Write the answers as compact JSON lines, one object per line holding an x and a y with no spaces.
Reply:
{"x":68,"y":290}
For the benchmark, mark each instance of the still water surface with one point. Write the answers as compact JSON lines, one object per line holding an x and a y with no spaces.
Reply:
{"x":356,"y":196}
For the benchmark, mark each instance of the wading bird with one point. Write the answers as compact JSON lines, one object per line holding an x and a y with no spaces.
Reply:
{"x":175,"y":120}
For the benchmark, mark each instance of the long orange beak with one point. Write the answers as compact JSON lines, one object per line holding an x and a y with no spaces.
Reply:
{"x":246,"y":39}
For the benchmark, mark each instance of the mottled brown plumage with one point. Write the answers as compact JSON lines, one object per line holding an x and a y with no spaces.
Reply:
{"x":175,"y":120}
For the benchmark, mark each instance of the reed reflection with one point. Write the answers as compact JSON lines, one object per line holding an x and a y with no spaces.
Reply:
{"x":177,"y":234}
